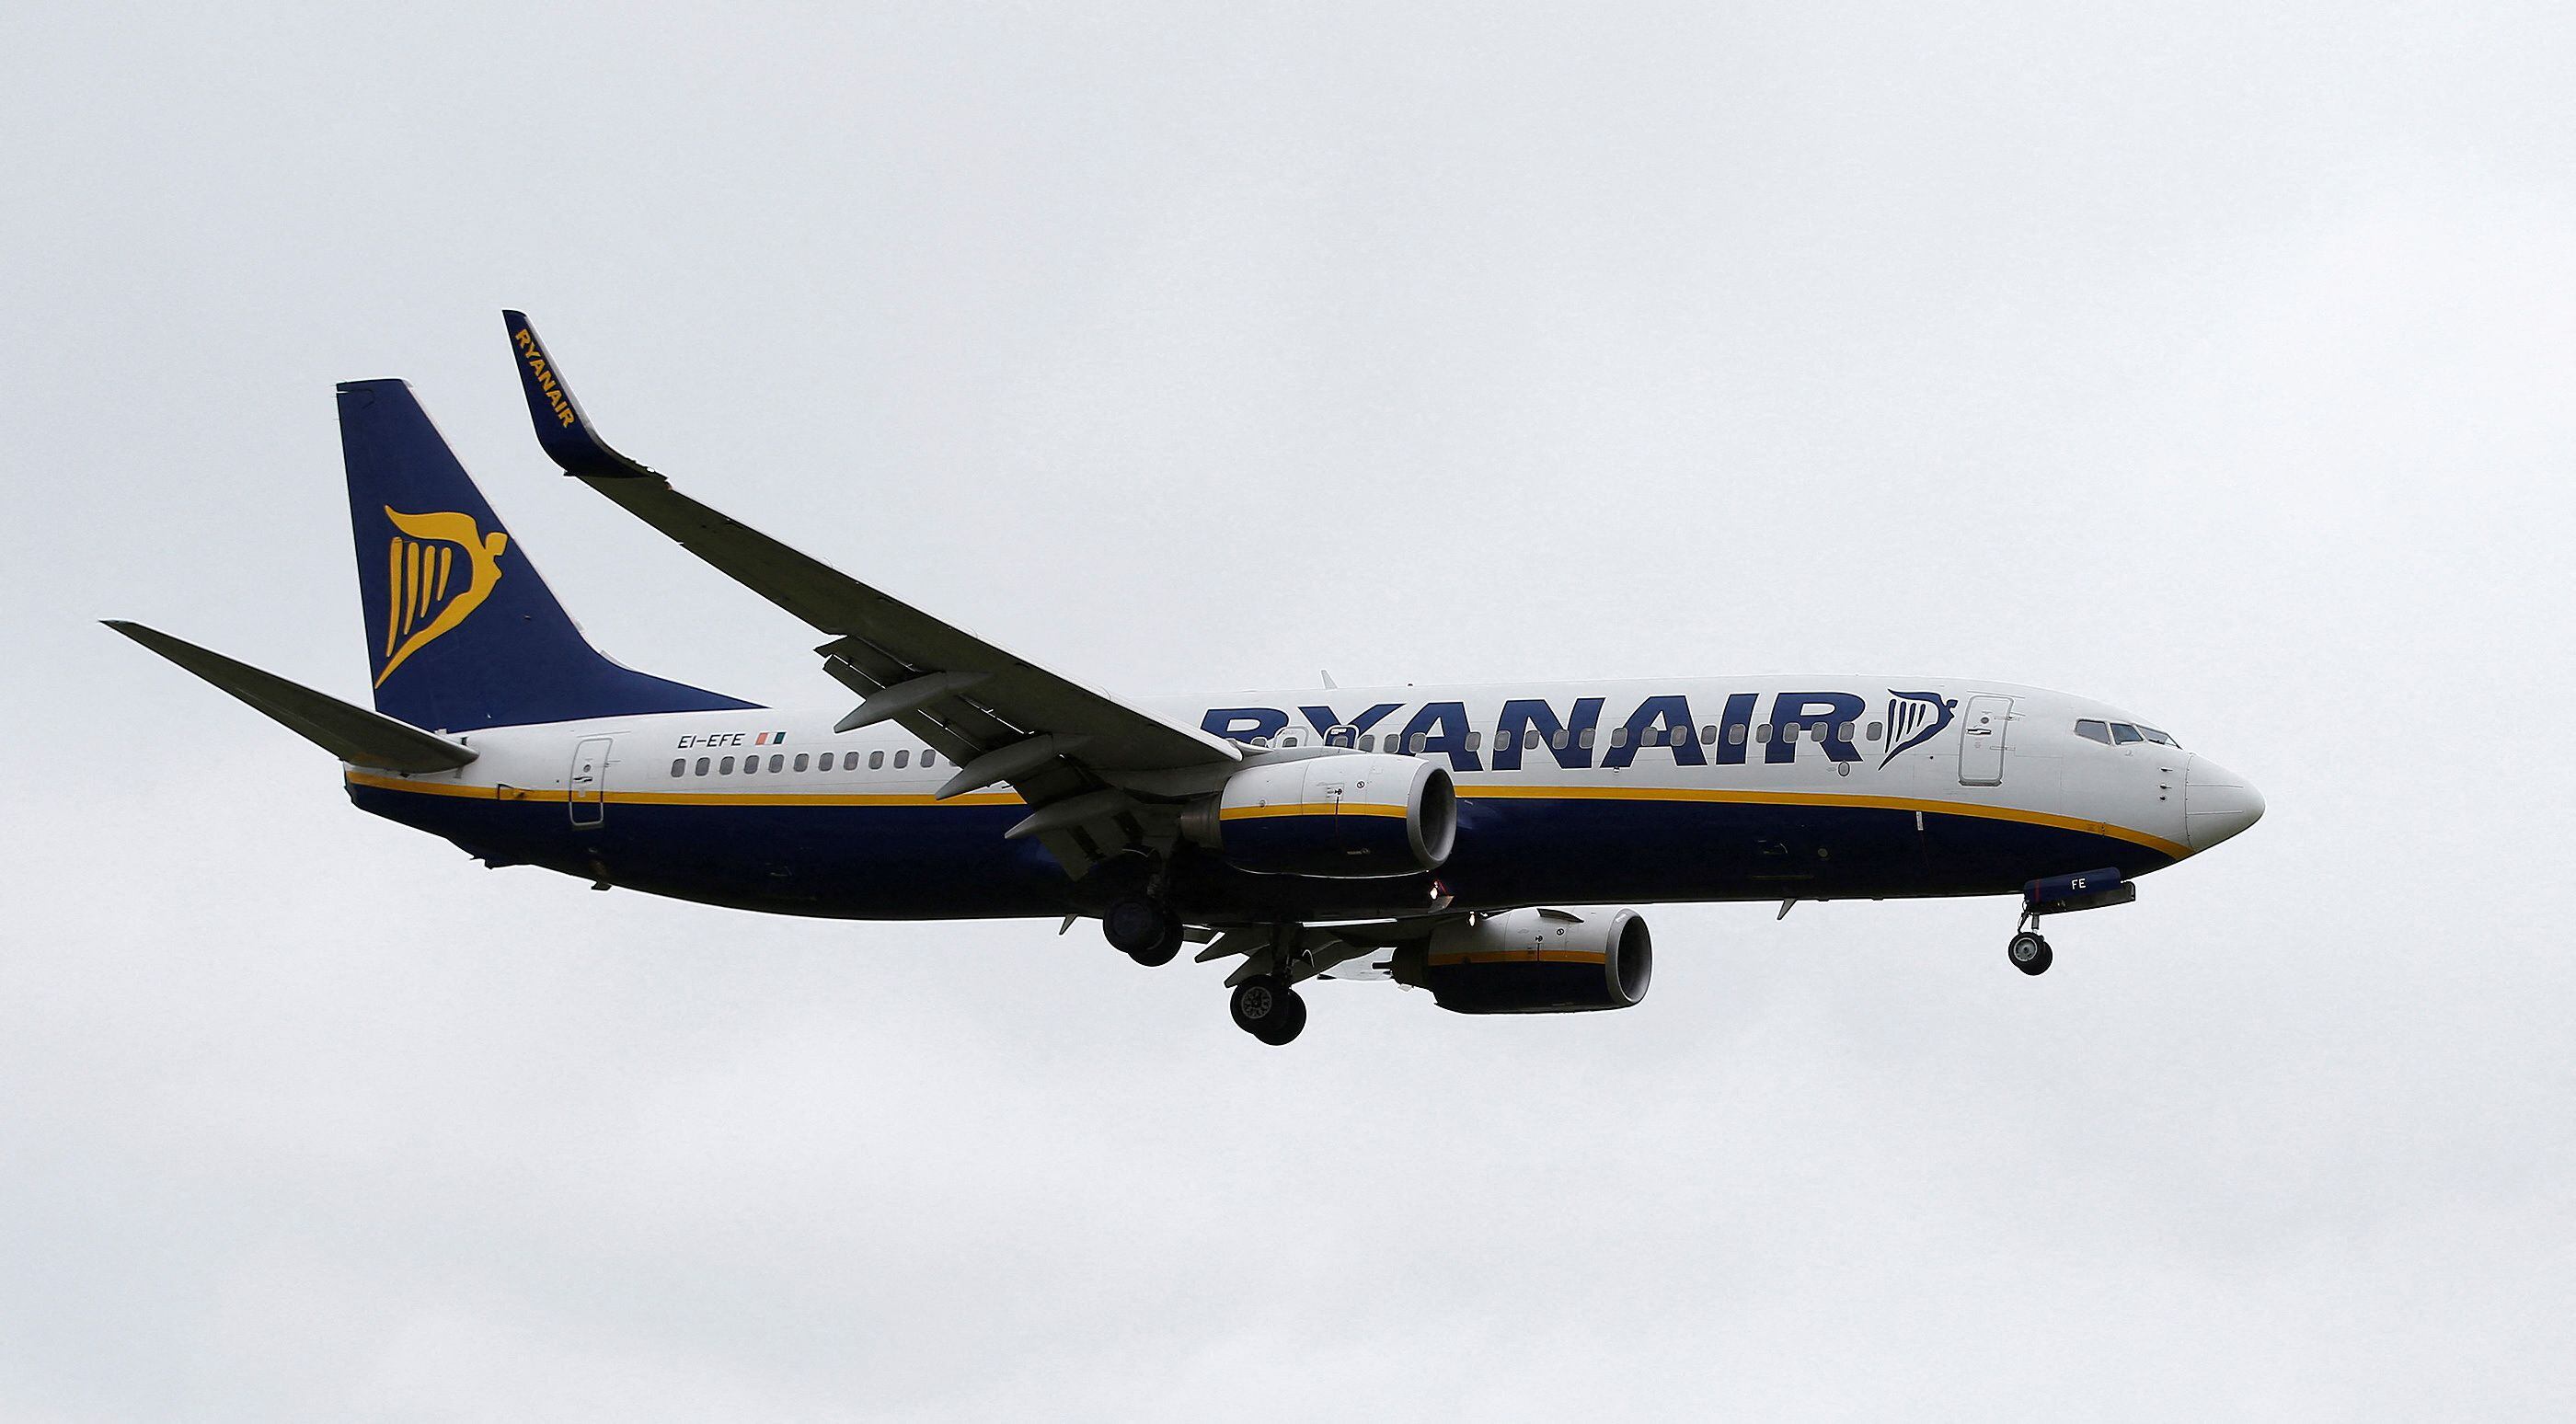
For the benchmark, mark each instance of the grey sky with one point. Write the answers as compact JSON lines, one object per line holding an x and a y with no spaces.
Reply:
{"x":2214,"y":363}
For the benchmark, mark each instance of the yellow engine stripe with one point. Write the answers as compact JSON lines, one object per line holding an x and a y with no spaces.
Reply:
{"x":1310,"y":808}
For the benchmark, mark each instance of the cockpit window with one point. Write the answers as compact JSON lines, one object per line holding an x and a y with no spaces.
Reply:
{"x":2124,"y":733}
{"x":2157,"y":737}
{"x":2094,"y":731}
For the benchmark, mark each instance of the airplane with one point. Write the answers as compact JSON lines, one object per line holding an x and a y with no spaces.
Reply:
{"x":1433,"y":836}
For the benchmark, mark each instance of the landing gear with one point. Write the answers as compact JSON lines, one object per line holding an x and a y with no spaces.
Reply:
{"x":1265,"y":1007}
{"x":2030,"y":953}
{"x":1144,"y":930}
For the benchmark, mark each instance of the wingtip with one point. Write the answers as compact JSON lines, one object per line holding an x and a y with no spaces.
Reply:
{"x":563,"y":430}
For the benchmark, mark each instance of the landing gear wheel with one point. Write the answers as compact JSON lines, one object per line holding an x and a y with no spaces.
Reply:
{"x":1142,"y":930}
{"x":2030,"y":953}
{"x":1265,"y":1007}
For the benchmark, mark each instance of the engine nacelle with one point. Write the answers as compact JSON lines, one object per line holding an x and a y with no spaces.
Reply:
{"x":1533,"y":962}
{"x":1359,"y":814}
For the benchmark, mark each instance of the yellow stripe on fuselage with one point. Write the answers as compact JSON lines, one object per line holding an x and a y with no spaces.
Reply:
{"x":1821,"y":800}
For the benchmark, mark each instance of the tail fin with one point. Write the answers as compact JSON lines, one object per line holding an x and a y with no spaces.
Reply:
{"x":461,"y":631}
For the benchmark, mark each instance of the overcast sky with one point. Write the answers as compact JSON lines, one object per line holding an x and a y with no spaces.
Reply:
{"x":2215,"y":361}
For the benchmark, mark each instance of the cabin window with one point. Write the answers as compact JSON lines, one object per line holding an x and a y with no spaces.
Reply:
{"x":800,"y":761}
{"x":1762,"y":733}
{"x":929,"y":758}
{"x":1735,"y":735}
{"x":1475,"y":741}
{"x":903,"y":758}
{"x":1529,"y":740}
{"x":702,"y":766}
{"x":2124,"y":733}
{"x":1709,"y":733}
{"x":1584,"y":738}
{"x":778,"y":763}
{"x":725,"y":767}
{"x":1874,"y":730}
{"x":750,"y":765}
{"x":679,"y":766}
{"x":1618,"y":736}
{"x":1368,"y":743}
{"x":1555,"y":739}
{"x":1418,"y":740}
{"x":1846,"y":733}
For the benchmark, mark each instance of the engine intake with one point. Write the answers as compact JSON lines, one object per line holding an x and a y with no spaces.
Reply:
{"x":1533,"y":962}
{"x":1361,"y":814}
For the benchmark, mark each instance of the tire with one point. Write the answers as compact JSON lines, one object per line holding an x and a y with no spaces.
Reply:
{"x":1135,"y":925}
{"x":1265,"y":1007}
{"x":2030,"y":954}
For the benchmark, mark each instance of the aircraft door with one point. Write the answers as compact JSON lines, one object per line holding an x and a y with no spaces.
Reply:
{"x":1981,"y":741}
{"x":588,"y":784}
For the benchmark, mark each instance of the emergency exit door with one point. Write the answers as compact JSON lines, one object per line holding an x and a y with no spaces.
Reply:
{"x":1981,"y":741}
{"x":588,"y":785}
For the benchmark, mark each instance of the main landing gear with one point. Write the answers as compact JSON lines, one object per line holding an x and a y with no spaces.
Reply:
{"x":1265,"y":1007}
{"x":1144,"y":930}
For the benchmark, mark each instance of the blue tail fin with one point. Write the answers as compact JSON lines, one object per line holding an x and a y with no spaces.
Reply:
{"x":461,"y":631}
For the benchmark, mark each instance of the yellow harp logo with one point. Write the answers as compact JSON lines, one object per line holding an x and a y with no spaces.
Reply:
{"x":423,"y":573}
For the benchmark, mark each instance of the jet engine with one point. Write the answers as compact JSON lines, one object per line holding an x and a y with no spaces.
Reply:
{"x":1533,"y":962}
{"x":1359,"y":814}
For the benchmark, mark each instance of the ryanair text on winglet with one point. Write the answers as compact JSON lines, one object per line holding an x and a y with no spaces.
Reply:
{"x":535,"y":356}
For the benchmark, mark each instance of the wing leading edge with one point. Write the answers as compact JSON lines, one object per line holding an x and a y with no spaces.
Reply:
{"x":1098,"y":774}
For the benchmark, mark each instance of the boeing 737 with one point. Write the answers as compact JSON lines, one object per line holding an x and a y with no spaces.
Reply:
{"x":1422,"y":834}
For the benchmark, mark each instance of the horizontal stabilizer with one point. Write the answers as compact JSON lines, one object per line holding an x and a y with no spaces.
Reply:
{"x":351,"y":733}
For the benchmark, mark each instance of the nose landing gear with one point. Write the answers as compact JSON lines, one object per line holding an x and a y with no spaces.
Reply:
{"x":2029,"y":952}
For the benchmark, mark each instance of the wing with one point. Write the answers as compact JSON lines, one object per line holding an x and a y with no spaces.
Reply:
{"x":1099,"y":775}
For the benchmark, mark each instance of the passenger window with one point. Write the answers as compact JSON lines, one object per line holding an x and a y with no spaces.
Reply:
{"x":1529,"y":740}
{"x":1369,"y":742}
{"x":1287,"y":741}
{"x":800,"y":761}
{"x":778,"y":763}
{"x":679,"y":766}
{"x":2093,"y":731}
{"x":702,"y":766}
{"x":1762,"y":733}
{"x":1475,"y":741}
{"x":903,"y":758}
{"x":2123,"y":732}
{"x":1618,"y":736}
{"x":1584,"y":738}
{"x":750,"y":765}
{"x":1735,"y":735}
{"x":1418,"y":739}
{"x":1848,"y":728}
{"x":1708,"y":733}
{"x":1873,"y":731}
{"x":725,"y":767}
{"x":1555,"y":739}
{"x":876,"y":760}
{"x":930,"y":758}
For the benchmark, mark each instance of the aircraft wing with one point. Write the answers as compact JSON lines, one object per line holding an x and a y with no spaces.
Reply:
{"x":1081,"y":759}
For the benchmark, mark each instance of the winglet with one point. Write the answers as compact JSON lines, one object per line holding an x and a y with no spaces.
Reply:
{"x":567,"y":434}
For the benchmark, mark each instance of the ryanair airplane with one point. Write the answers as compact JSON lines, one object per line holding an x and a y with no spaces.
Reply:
{"x":1419,"y":834}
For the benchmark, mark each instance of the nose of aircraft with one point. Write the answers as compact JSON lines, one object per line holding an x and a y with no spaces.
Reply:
{"x":2216,"y":803}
